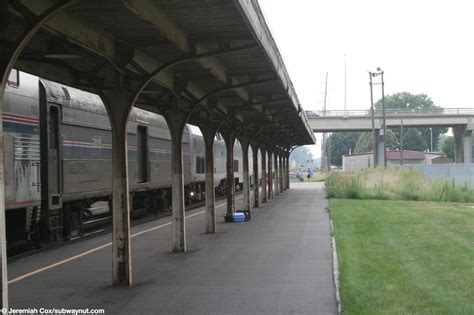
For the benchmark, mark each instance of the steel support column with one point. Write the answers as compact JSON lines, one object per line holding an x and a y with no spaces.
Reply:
{"x":283,"y":172}
{"x":3,"y":240}
{"x":209,"y":133}
{"x":229,"y":138}
{"x":119,"y":104}
{"x":270,"y":173}
{"x":285,"y":168}
{"x":263,"y":152}
{"x":280,"y":175}
{"x":245,"y":142}
{"x":277,"y":178}
{"x":176,"y":121}
{"x":255,"y":174}
{"x":287,"y":159}
{"x":8,"y":59}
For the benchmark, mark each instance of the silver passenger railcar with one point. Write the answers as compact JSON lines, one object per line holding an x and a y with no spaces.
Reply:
{"x":57,"y":155}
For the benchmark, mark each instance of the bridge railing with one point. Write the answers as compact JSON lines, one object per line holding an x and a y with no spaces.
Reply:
{"x":392,"y":112}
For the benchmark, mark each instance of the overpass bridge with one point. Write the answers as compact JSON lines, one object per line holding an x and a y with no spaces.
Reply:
{"x":361,"y":120}
{"x":460,"y":119}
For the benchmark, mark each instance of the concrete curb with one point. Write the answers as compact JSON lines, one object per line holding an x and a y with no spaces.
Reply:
{"x":335,"y":268}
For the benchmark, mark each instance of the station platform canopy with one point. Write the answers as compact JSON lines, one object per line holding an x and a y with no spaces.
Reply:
{"x":217,"y":55}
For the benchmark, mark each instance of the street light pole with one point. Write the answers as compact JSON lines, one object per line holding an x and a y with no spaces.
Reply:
{"x":374,"y":140}
{"x":383,"y":113}
{"x":374,"y":74}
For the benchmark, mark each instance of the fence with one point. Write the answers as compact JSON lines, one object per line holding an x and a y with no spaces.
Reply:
{"x":462,"y":174}
{"x":392,"y":112}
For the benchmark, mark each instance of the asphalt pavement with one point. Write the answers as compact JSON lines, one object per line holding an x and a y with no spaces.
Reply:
{"x":280,"y":262}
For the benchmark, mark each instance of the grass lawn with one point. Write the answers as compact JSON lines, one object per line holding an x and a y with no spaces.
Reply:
{"x":404,"y":257}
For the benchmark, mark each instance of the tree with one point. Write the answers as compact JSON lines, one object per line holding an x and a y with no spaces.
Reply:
{"x":446,"y":144}
{"x":365,"y":143}
{"x":407,"y":102}
{"x":301,"y":155}
{"x":341,"y":143}
{"x":412,"y":140}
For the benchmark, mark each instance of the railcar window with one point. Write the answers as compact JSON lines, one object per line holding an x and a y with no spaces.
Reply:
{"x":142,"y":154}
{"x":236,"y":165}
{"x":54,"y":128}
{"x":14,"y":78}
{"x":200,"y":165}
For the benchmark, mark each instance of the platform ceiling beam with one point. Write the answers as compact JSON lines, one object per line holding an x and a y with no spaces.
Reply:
{"x":104,"y":44}
{"x":77,"y":28}
{"x":150,"y":12}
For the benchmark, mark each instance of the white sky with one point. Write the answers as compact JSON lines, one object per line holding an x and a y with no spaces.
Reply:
{"x":423,"y":47}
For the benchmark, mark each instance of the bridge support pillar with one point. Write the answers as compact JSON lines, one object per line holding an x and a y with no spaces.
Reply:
{"x":209,"y":133}
{"x":462,"y":144}
{"x":458,"y":145}
{"x":256,"y":193}
{"x":467,"y":144}
{"x":263,"y":152}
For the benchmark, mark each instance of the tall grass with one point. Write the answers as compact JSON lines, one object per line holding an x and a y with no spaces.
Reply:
{"x":394,"y":184}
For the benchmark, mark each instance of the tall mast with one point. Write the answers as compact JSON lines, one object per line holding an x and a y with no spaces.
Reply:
{"x":345,"y":85}
{"x":325,"y":94}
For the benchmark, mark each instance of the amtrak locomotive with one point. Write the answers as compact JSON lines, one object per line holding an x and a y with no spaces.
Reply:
{"x":57,"y":155}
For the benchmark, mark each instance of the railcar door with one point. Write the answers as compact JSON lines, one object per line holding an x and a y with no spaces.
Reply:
{"x":54,"y":158}
{"x":51,"y":169}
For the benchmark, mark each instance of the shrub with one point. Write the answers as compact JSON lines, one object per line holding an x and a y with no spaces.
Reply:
{"x":394,"y":183}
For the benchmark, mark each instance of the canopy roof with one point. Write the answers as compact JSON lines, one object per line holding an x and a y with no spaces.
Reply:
{"x":215,"y":53}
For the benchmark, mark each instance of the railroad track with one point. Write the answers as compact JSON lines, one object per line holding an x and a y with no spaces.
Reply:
{"x":95,"y":227}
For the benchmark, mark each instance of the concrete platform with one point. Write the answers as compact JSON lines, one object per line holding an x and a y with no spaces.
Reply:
{"x":280,"y":262}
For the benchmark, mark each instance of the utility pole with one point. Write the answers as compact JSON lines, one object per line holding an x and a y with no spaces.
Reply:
{"x":401,"y":142}
{"x":324,"y":157}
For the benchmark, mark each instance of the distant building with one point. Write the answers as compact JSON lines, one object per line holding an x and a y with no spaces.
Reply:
{"x":355,"y":162}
